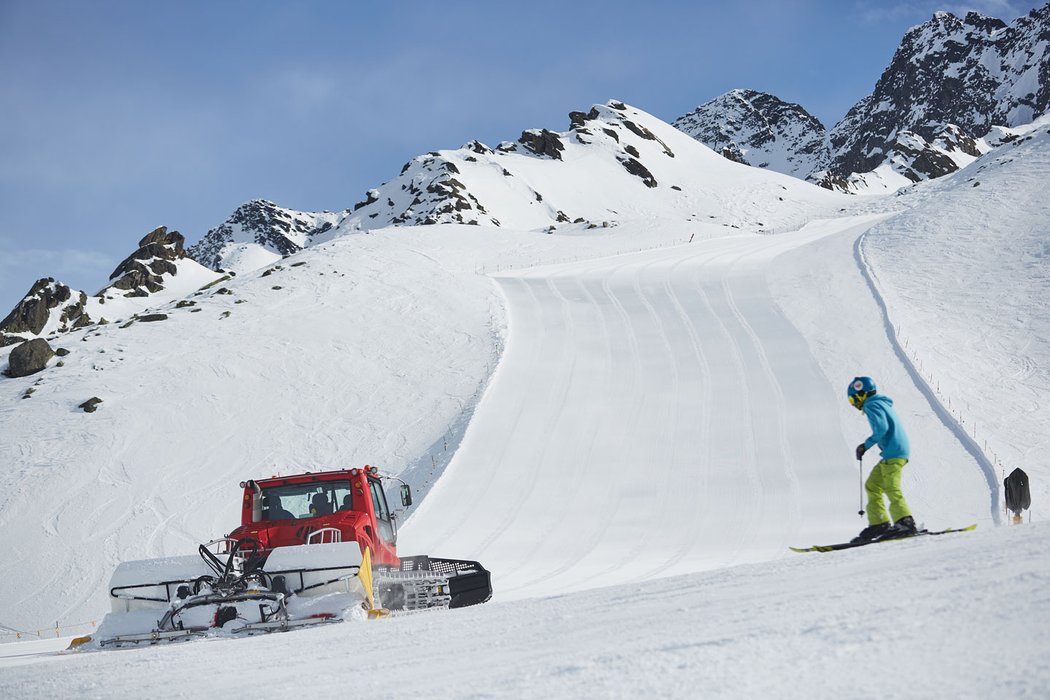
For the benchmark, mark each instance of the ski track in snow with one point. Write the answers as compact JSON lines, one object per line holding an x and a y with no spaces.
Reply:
{"x":653,"y":413}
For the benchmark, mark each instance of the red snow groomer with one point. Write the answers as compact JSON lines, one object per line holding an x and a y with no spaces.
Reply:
{"x":312,"y":548}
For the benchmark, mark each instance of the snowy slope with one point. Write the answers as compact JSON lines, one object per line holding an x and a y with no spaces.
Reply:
{"x":965,"y":273}
{"x":215,"y":394}
{"x":952,"y":618}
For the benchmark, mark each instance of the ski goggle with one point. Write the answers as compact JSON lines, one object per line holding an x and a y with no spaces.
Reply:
{"x":857,"y":400}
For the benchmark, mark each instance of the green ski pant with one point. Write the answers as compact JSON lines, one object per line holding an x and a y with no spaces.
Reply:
{"x":885,"y":480}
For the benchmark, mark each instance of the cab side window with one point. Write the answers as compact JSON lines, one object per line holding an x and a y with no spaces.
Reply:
{"x":386,"y":530}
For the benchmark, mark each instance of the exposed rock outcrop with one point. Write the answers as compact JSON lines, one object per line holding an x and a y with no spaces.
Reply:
{"x":49,"y":305}
{"x":29,"y":358}
{"x":142,"y":272}
{"x":91,"y":405}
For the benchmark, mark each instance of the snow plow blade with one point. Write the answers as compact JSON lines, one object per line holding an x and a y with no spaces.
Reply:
{"x":469,"y":583}
{"x":231,"y":593}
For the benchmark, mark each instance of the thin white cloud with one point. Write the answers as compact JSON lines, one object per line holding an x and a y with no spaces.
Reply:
{"x":877,"y":12}
{"x":83,"y":269}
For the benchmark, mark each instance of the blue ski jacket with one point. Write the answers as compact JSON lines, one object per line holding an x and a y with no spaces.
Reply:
{"x":886,"y":429}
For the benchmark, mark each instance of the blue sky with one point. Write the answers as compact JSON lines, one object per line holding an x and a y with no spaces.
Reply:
{"x":118,"y":117}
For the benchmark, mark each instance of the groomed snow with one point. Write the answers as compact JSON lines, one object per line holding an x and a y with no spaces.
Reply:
{"x":661,"y":409}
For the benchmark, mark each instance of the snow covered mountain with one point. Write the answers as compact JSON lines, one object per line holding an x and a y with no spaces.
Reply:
{"x":756,"y":128}
{"x":973,"y":73}
{"x":949,"y":83}
{"x":259,"y":233}
{"x":614,"y":164}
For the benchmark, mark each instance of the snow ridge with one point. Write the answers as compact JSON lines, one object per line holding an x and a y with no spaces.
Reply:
{"x":614,"y":164}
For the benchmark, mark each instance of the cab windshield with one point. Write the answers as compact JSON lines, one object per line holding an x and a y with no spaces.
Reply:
{"x":298,"y":501}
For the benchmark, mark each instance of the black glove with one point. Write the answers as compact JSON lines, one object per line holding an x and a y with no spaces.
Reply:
{"x":861,"y":449}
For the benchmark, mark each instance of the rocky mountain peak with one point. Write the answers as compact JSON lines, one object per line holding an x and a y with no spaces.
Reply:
{"x":973,"y":72}
{"x":47,"y":303}
{"x":951,"y":80}
{"x":260,"y":225}
{"x":143,"y":272}
{"x":759,"y":129}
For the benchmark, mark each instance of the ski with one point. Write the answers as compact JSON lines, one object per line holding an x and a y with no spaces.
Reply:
{"x":851,"y":545}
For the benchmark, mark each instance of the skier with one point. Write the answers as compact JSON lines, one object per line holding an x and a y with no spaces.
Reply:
{"x":885,"y":478}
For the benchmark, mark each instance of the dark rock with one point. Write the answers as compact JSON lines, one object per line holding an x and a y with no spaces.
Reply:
{"x":142,"y":273}
{"x":153,"y":317}
{"x":637,"y":169}
{"x":45,"y":296}
{"x":542,"y":142}
{"x":29,"y":358}
{"x":91,"y":405}
{"x":61,"y":352}
{"x":372,"y":196}
{"x":184,"y":303}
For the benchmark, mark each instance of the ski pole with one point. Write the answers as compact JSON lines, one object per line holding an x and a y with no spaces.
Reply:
{"x":860,"y":483}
